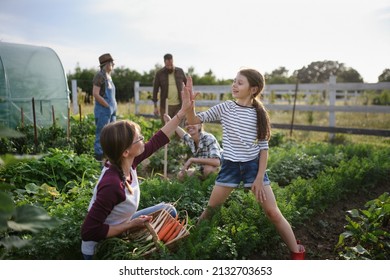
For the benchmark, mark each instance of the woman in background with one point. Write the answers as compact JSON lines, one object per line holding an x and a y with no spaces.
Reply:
{"x":105,"y":103}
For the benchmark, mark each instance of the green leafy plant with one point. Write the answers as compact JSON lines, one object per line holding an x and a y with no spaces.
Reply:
{"x":56,"y":169}
{"x":63,"y":240}
{"x":82,"y":134}
{"x":291,"y":161}
{"x":16,"y":220}
{"x":367,"y":234}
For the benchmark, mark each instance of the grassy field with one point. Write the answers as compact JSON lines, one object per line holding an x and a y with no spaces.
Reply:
{"x":343,"y":119}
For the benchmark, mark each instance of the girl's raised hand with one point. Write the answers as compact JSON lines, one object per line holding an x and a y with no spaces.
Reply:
{"x":190,"y":87}
{"x":187,"y":94}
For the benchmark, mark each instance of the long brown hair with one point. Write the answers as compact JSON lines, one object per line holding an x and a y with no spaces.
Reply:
{"x":257,"y":80}
{"x":115,"y":138}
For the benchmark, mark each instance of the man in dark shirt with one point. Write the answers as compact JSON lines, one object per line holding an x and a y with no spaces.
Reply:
{"x":168,"y":81}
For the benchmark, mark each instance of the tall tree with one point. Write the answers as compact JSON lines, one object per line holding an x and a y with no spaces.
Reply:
{"x":385,"y":76}
{"x":278,"y":76}
{"x":320,"y":71}
{"x":207,"y":79}
{"x":349,"y":75}
{"x":124,"y":79}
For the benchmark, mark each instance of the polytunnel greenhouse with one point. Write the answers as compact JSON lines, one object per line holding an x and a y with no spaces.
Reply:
{"x":33,"y":86}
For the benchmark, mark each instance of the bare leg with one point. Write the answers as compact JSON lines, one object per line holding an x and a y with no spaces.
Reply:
{"x":276,"y":217}
{"x":218,"y":197}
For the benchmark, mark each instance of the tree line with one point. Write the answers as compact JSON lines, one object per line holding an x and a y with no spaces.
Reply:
{"x":315,"y":72}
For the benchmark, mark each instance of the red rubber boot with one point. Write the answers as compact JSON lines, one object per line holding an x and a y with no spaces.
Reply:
{"x":300,"y":255}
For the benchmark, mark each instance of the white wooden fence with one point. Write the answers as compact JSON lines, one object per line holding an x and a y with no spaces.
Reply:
{"x":332,"y":90}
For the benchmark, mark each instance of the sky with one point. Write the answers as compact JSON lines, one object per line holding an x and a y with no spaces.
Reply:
{"x":217,"y":35}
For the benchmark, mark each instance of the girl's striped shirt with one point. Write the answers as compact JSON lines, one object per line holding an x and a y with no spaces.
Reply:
{"x":239,"y":126}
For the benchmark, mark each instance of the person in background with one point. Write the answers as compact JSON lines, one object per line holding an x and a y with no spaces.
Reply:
{"x":113,"y":208}
{"x":168,"y":81}
{"x":206,"y":151}
{"x":246,"y":132}
{"x":105,"y":103}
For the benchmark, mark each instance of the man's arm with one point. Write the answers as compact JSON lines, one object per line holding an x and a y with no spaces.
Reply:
{"x":156,"y":87}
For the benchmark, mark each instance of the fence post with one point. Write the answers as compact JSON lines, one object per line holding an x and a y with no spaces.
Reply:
{"x":332,"y":104}
{"x":136,"y":96}
{"x":218,"y":97}
{"x":74,"y":97}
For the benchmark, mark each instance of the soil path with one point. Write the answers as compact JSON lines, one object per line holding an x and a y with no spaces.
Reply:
{"x":321,"y":233}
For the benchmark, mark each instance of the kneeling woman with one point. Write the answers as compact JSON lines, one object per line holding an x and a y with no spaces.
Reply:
{"x":114,"y":204}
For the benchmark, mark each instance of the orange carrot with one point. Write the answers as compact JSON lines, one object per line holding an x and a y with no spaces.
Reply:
{"x":176,"y":232}
{"x":171,"y":231}
{"x":165,"y":229}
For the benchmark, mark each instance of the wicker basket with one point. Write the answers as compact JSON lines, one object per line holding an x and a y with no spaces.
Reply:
{"x":171,"y":245}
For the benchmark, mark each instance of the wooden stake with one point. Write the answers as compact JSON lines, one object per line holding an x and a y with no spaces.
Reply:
{"x":54,"y":115}
{"x":35,"y":125}
{"x":81,"y":116}
{"x":166,"y":146}
{"x":68,"y":126}
{"x":22,"y":117}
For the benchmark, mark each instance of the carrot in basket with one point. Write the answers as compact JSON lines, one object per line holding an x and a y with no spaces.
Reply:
{"x":171,"y":231}
{"x":165,"y":229}
{"x":176,"y":232}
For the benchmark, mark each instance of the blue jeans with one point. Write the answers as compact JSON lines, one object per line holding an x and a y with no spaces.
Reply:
{"x":87,"y":257}
{"x":233,"y":173}
{"x":103,"y":116}
{"x":147,"y":211}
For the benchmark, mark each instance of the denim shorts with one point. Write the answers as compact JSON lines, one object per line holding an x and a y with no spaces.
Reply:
{"x":233,"y":173}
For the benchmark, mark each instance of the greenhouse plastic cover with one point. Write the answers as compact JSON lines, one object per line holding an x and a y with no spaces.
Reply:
{"x":30,"y":73}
